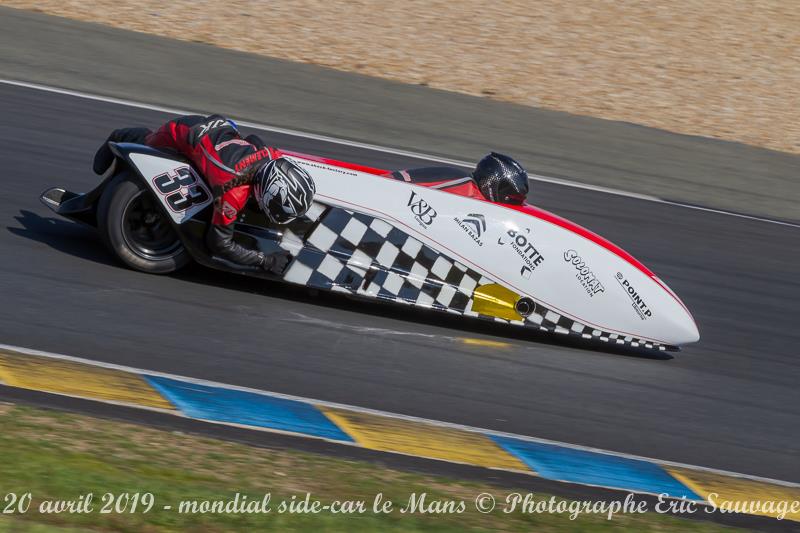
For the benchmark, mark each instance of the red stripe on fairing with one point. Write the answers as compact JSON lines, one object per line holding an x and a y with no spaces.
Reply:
{"x":547,"y":216}
{"x":472,"y":192}
{"x":583,"y":232}
{"x":527,"y":209}
{"x":597,"y":239}
{"x":335,"y":163}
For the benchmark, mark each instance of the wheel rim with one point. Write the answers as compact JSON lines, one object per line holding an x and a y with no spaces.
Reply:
{"x":146,"y":231}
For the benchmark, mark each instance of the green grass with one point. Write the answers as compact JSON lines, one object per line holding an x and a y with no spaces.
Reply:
{"x":55,"y":455}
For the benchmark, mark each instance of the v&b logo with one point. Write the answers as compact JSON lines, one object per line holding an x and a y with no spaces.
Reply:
{"x":423,"y":212}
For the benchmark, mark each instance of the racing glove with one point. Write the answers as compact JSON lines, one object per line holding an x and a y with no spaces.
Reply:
{"x":220,"y":241}
{"x":275,"y":263}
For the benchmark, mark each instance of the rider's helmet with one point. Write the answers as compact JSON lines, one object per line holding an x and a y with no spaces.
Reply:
{"x":501,"y":179}
{"x":283,"y":190}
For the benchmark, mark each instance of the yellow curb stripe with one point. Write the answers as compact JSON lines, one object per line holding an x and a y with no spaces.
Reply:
{"x":728,"y":492}
{"x":75,"y":379}
{"x":422,"y":440}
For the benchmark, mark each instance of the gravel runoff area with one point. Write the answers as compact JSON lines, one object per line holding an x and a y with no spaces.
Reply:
{"x":722,"y":68}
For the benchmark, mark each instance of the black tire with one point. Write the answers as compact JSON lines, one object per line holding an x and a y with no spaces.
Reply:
{"x":136,"y":230}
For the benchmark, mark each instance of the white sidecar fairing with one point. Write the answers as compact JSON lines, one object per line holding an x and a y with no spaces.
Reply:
{"x":412,"y":244}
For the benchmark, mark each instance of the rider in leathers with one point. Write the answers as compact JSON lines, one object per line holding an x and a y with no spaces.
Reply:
{"x":229,"y":163}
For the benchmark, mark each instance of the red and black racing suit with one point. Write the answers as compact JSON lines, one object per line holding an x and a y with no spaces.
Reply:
{"x":219,"y":153}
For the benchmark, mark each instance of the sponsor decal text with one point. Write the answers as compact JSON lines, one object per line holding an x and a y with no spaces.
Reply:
{"x":522,"y":245}
{"x":637,"y":301}
{"x":585,"y":276}
{"x":473,"y":225}
{"x":422,"y":211}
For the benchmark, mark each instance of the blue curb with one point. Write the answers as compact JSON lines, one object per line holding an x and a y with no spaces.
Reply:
{"x":592,"y":468}
{"x":246,"y":408}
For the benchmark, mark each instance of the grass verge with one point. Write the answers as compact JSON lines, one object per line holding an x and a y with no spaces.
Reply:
{"x":59,"y":456}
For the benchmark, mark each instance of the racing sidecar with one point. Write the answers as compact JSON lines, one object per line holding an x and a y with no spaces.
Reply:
{"x":437,"y":245}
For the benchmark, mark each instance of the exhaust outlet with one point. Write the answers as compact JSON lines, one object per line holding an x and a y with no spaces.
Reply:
{"x":525,"y":306}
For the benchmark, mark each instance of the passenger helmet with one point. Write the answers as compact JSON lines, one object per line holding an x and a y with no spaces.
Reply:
{"x":501,"y":179}
{"x":283,"y":190}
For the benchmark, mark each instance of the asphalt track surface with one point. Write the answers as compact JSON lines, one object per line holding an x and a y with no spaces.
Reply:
{"x":729,"y":402}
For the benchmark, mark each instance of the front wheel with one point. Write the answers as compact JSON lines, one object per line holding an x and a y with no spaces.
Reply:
{"x":136,"y":230}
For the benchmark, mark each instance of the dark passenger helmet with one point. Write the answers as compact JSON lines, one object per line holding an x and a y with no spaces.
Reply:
{"x":501,"y":179}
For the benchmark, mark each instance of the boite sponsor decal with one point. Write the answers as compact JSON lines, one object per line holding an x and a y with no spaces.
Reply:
{"x":638,"y":303}
{"x":588,"y":280}
{"x":473,"y":225}
{"x":422,"y":211}
{"x":521,"y":244}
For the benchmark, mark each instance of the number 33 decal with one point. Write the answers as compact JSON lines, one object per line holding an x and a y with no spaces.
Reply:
{"x":181,"y":189}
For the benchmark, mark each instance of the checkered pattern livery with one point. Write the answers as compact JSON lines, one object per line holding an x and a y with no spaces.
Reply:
{"x":546,"y":320}
{"x":357,"y":254}
{"x":551,"y":321}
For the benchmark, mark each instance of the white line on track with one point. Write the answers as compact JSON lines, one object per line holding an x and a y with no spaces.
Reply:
{"x":356,"y":409}
{"x":388,"y":150}
{"x":365,"y":330}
